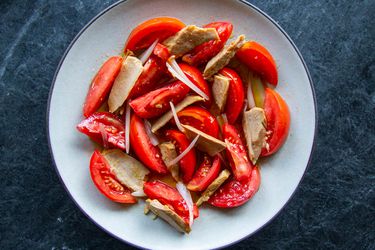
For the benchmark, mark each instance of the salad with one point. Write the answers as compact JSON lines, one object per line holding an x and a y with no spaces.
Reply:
{"x":182,"y":117}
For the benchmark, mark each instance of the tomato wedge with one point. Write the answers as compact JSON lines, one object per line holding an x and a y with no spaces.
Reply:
{"x":235,"y":193}
{"x":140,"y":142}
{"x":200,"y":119}
{"x":278,"y":121}
{"x":155,"y":103}
{"x":260,"y":60}
{"x":101,"y":85}
{"x":156,"y":28}
{"x":204,"y":52}
{"x":107,"y":182}
{"x":236,"y":95}
{"x":104,"y":128}
{"x":169,"y":196}
{"x":194,"y":75}
{"x":162,"y":52}
{"x":188,"y":162}
{"x":236,"y":152}
{"x":205,"y":175}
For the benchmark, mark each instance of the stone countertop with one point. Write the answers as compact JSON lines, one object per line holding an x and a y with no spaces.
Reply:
{"x":334,"y":206}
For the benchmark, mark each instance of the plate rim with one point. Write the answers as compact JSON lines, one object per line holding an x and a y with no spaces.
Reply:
{"x":104,"y":11}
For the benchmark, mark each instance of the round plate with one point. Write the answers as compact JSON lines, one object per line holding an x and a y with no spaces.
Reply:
{"x":104,"y":36}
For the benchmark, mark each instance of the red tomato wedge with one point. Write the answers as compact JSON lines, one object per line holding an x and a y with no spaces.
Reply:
{"x":152,"y":76}
{"x":155,"y":103}
{"x":236,"y":95}
{"x":140,"y":142}
{"x":101,"y":85}
{"x":194,"y":75}
{"x":107,"y":182}
{"x":278,"y":121}
{"x":205,"y":175}
{"x":156,"y":28}
{"x":104,"y":128}
{"x":235,"y":193}
{"x":236,"y":152}
{"x":260,"y":60}
{"x":204,"y":52}
{"x":162,"y":52}
{"x":169,"y":196}
{"x":188,"y":162}
{"x":200,"y":119}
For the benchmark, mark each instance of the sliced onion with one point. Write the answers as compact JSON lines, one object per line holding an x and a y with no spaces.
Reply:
{"x":180,"y":156}
{"x":127,"y":127}
{"x":177,"y":72}
{"x":146,"y":54}
{"x":104,"y":135}
{"x":250,"y":96}
{"x":154,"y":140}
{"x":139,"y":193}
{"x":187,"y":197}
{"x":178,"y":123}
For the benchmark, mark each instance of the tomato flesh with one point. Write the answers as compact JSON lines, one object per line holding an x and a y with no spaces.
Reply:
{"x":235,"y":193}
{"x":140,"y":142}
{"x":188,"y":162}
{"x":205,"y":175}
{"x":104,"y":128}
{"x":107,"y":182}
{"x":101,"y":85}
{"x":260,"y":60}
{"x":162,"y":52}
{"x":155,"y":103}
{"x":236,"y":95}
{"x":278,"y":121}
{"x":204,"y":52}
{"x":236,"y":152}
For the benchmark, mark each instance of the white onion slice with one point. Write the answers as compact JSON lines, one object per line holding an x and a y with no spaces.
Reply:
{"x":146,"y":54}
{"x":178,"y":123}
{"x":139,"y":193}
{"x":154,"y":140}
{"x":250,"y":96}
{"x":180,"y":156}
{"x":176,"y":71}
{"x":104,"y":135}
{"x":127,"y":127}
{"x":189,"y":201}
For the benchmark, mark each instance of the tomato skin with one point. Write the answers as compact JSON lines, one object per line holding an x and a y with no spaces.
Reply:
{"x":101,"y":85}
{"x":194,"y":75}
{"x":156,"y":102}
{"x":188,"y":162}
{"x":147,"y":32}
{"x":162,"y":52}
{"x":140,"y":142}
{"x":260,"y":60}
{"x":278,"y":121}
{"x":205,"y":175}
{"x":169,"y":196}
{"x":236,"y":95}
{"x":106,"y":181}
{"x":204,"y":52}
{"x":114,"y":128}
{"x":235,"y":193}
{"x":236,"y":152}
{"x":201,"y":119}
{"x":152,"y":75}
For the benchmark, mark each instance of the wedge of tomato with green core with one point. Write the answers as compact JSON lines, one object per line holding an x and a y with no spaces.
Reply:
{"x":259,"y":60}
{"x":236,"y":95}
{"x":278,"y":121}
{"x":101,"y":85}
{"x":188,"y":162}
{"x":141,"y":144}
{"x":200,"y":119}
{"x":235,"y":193}
{"x":207,"y":172}
{"x":107,"y":182}
{"x":147,"y":32}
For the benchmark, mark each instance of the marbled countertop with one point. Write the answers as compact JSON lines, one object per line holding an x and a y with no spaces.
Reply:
{"x":334,"y":206}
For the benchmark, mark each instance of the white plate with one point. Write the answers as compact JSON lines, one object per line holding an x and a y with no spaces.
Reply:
{"x":105,"y":35}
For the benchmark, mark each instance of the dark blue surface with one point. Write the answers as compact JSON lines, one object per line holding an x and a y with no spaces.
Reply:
{"x":333,"y":208}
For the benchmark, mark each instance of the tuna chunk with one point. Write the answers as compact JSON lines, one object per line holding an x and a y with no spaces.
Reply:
{"x":223,"y":57}
{"x":168,"y":153}
{"x":211,"y":189}
{"x":220,"y":91}
{"x":188,"y":38}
